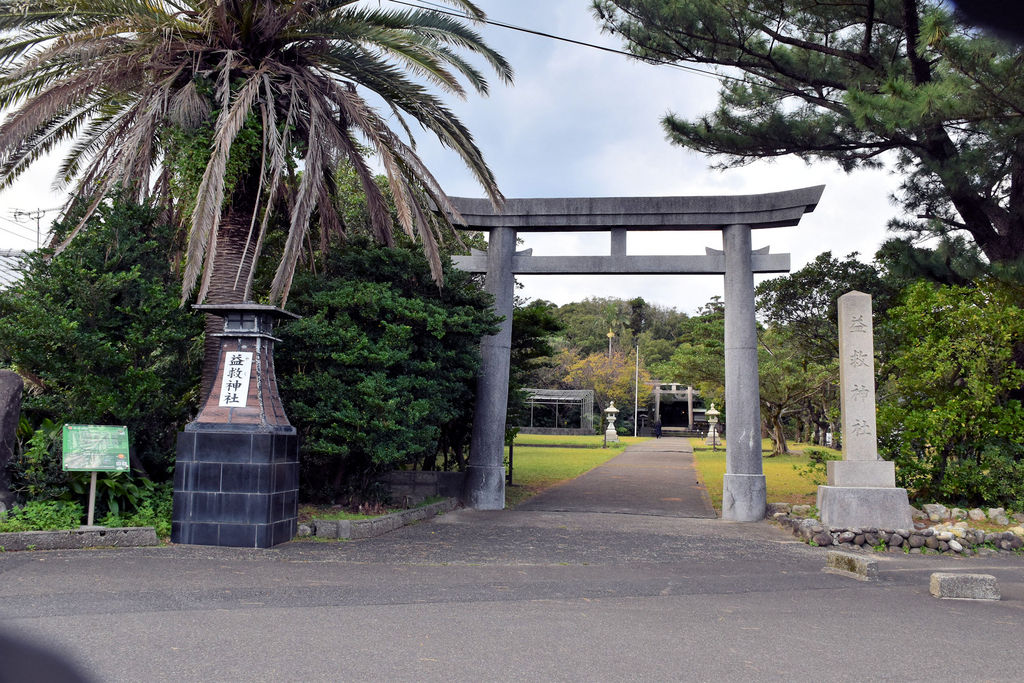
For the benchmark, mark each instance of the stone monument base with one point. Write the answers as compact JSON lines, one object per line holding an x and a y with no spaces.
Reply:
{"x":743,"y":497}
{"x":235,"y":486}
{"x":873,"y":473}
{"x":863,"y":506}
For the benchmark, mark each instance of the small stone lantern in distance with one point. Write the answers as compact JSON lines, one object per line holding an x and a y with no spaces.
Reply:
{"x":610,"y":434}
{"x":712,"y":439}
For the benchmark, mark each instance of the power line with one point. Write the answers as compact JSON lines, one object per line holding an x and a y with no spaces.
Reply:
{"x":441,"y":9}
{"x":16,"y":224}
{"x":11,"y":232}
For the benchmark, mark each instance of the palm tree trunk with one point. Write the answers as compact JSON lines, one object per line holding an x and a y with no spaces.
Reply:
{"x":230,"y":281}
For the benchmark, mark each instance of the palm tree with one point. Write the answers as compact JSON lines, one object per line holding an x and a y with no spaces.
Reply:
{"x":256,"y":90}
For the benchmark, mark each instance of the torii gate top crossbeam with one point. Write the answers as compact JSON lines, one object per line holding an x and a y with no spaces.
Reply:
{"x":591,"y":214}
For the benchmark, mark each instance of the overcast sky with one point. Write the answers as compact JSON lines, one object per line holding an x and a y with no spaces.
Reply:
{"x":582,"y":122}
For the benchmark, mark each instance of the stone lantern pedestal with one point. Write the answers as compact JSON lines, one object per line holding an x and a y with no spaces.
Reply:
{"x":237,"y":471}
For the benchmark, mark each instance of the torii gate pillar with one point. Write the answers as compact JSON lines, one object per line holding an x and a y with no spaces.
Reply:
{"x":485,"y":474}
{"x":744,"y":492}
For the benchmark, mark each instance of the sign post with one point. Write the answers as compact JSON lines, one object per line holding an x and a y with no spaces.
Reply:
{"x":95,"y":448}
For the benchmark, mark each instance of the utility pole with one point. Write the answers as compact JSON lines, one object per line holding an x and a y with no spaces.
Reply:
{"x":38,"y":215}
{"x":636,"y":393}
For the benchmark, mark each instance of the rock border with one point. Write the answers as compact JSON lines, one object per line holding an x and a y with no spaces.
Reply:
{"x":952,"y":539}
{"x":74,"y":539}
{"x":346,"y":529}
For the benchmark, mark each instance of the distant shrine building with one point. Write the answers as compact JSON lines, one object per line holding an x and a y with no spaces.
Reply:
{"x":678,"y":406}
{"x":571,"y":412}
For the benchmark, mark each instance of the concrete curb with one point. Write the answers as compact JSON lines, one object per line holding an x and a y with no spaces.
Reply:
{"x":71,"y":539}
{"x":955,"y":586}
{"x":853,"y":566}
{"x":368,"y":528}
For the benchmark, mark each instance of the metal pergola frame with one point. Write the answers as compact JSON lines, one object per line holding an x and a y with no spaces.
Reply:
{"x":584,"y":398}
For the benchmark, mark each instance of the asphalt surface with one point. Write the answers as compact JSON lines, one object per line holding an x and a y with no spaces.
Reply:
{"x":520,"y":594}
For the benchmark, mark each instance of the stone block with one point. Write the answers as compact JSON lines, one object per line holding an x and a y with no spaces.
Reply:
{"x":872,"y":473}
{"x":964,"y":586}
{"x":325,"y":529}
{"x":851,"y":565}
{"x":846,"y":507}
{"x":86,"y":537}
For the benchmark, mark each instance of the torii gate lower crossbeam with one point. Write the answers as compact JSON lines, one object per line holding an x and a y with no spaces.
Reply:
{"x":744,"y":492}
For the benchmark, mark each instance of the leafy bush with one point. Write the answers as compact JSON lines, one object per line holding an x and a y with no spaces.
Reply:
{"x":152,"y":509}
{"x":951,"y":416}
{"x":114,"y":490}
{"x":380,"y":370}
{"x":100,"y":337}
{"x":816,"y":467}
{"x":43,"y":516}
{"x":36,"y":472}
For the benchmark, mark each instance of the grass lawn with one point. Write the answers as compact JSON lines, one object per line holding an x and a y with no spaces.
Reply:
{"x":539,"y":468}
{"x":592,"y":440}
{"x":785,"y":484}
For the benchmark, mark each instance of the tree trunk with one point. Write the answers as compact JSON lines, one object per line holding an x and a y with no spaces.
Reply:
{"x":777,"y":433}
{"x":228,"y":284}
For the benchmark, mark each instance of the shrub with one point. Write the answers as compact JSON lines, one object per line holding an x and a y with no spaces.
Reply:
{"x":816,"y":467}
{"x":951,"y":416}
{"x":100,"y":337}
{"x":153,"y":509}
{"x":43,"y":516}
{"x":380,"y":371}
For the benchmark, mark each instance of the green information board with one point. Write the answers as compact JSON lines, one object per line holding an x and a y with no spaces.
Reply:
{"x":95,"y":448}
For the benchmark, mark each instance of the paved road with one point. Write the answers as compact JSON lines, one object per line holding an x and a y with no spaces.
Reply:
{"x":654,"y":477}
{"x":513,"y":595}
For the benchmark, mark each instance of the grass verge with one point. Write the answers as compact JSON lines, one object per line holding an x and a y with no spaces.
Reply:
{"x":539,"y":468}
{"x":592,"y":441}
{"x":309,"y":512}
{"x":785,"y":484}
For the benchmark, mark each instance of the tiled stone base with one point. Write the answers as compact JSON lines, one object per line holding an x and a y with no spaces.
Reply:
{"x":235,"y":488}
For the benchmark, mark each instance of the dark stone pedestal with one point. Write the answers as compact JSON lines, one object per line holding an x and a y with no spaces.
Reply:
{"x":235,"y":488}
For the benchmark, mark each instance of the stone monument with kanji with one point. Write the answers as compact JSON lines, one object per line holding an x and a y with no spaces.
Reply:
{"x":861,"y":490}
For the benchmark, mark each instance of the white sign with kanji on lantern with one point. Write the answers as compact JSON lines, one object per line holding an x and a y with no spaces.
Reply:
{"x":234,"y":385}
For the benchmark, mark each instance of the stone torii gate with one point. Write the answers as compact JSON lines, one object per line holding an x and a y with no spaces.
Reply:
{"x":744,"y":497}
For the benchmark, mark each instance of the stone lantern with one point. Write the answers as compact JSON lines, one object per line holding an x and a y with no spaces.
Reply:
{"x":712,"y":416}
{"x":237,"y":471}
{"x":611,"y":411}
